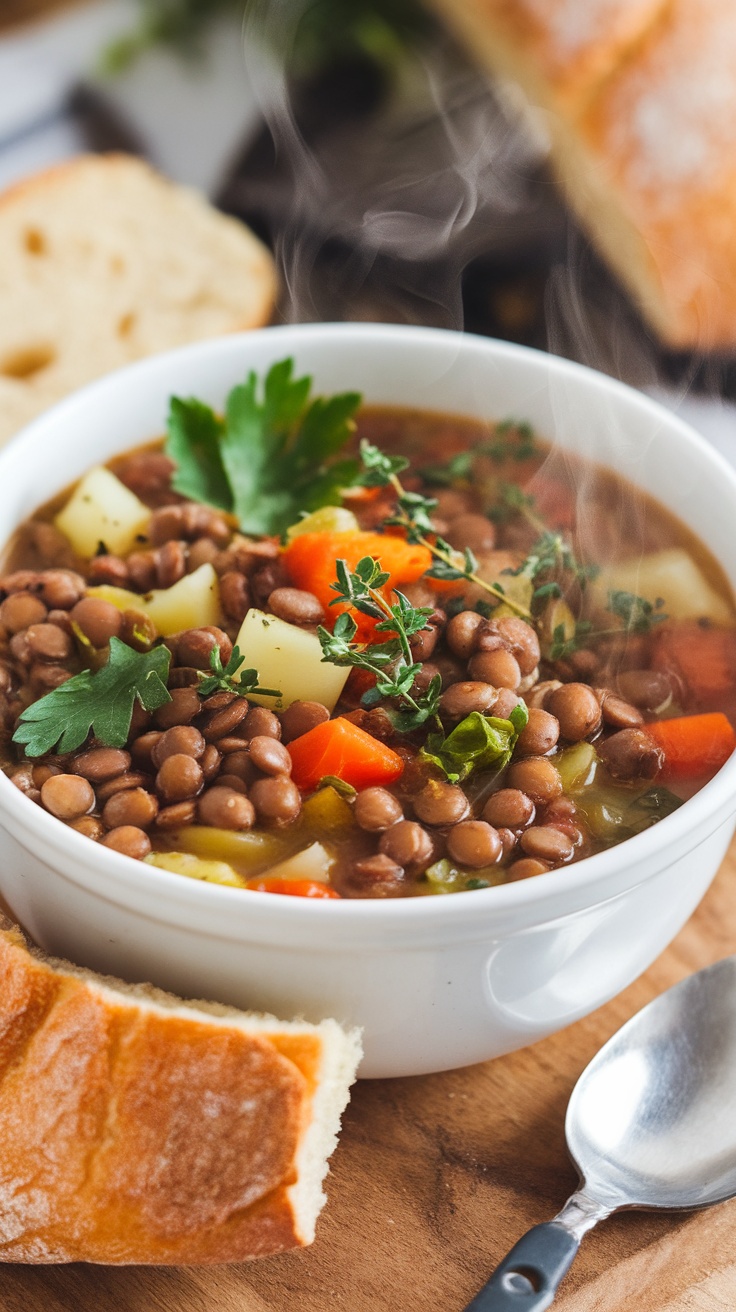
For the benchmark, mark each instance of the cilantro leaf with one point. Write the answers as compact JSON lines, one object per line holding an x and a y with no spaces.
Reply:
{"x":101,"y":702}
{"x":478,"y":742}
{"x":273,"y":455}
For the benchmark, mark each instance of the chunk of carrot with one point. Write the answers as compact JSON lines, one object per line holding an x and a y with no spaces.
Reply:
{"x":338,"y":747}
{"x":702,"y":656}
{"x":693,"y":745}
{"x":310,"y":561}
{"x":291,"y":887}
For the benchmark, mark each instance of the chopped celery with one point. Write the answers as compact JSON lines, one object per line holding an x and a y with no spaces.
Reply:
{"x":577,"y":766}
{"x":326,"y":812}
{"x":444,"y":877}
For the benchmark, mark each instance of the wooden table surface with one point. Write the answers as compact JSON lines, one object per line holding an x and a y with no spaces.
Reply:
{"x":434,"y":1179}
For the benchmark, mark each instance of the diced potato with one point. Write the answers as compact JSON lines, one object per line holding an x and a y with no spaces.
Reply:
{"x":290,"y":659}
{"x":672,"y":575}
{"x":192,"y":603}
{"x":246,"y":851}
{"x":577,"y":766}
{"x":314,"y":862}
{"x":102,"y":510}
{"x":194,"y":867}
{"x":330,"y":519}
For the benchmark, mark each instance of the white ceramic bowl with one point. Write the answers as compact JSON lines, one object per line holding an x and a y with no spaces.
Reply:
{"x":435,"y":982}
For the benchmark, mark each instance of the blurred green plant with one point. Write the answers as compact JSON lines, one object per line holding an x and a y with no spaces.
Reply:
{"x":326,"y":31}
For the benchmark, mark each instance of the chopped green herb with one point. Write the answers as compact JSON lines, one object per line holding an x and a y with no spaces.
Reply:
{"x":223,"y":679}
{"x":478,"y":742}
{"x":272,"y":457}
{"x":101,"y":703}
{"x":332,"y":781}
{"x":637,"y":613}
{"x":390,"y":661}
{"x":513,"y":440}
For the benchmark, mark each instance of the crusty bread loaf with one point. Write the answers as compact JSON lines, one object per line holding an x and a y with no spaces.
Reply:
{"x":640,"y":98}
{"x":103,"y":261}
{"x":135,"y":1128}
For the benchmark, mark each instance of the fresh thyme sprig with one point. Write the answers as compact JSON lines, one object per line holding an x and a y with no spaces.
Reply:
{"x":391,"y":661}
{"x":498,"y":449}
{"x":551,"y":554}
{"x":222,"y":679}
{"x":638,"y":616}
{"x":413,"y":514}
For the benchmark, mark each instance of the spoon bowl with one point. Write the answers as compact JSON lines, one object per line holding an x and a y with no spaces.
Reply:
{"x":649,"y":1124}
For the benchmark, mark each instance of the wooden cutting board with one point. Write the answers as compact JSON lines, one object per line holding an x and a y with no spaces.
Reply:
{"x":434,"y":1179}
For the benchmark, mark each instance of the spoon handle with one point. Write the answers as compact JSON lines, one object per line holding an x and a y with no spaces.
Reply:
{"x":527,"y":1278}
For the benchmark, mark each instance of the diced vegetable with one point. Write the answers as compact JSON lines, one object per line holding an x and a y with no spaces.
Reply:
{"x":672,"y":575}
{"x":195,"y":867}
{"x":292,"y":887}
{"x":290,"y":659}
{"x":338,"y":747}
{"x":330,"y":519}
{"x":577,"y":766}
{"x":192,"y":603}
{"x":326,"y":812}
{"x":693,"y":745}
{"x":247,"y":851}
{"x":703,"y":658}
{"x":310,"y":560}
{"x":314,"y":862}
{"x":102,"y":510}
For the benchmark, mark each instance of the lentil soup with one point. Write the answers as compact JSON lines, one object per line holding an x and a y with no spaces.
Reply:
{"x":449,"y":659}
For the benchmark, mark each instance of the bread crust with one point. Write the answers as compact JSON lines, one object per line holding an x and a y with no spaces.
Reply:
{"x":141,"y":1130}
{"x":640,"y":97}
{"x":103,"y":262}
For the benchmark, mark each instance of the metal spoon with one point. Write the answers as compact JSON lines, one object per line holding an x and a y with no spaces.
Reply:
{"x":650,"y":1124}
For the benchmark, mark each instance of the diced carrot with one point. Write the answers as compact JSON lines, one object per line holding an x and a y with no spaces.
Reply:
{"x":693,"y":745}
{"x":340,"y":748}
{"x":292,"y":887}
{"x":310,"y":561}
{"x":702,"y":656}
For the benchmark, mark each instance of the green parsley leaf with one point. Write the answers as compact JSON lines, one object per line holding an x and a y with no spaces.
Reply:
{"x":101,"y":702}
{"x":478,"y":742}
{"x":272,"y":457}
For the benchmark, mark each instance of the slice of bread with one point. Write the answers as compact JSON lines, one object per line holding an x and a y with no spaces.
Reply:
{"x":136,"y":1128}
{"x":103,"y":261}
{"x":638,"y":99}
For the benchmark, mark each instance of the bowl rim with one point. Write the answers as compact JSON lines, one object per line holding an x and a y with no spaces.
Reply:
{"x":126,"y":876}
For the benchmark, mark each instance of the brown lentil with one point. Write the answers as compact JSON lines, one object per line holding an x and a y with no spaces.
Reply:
{"x":233,"y":782}
{"x":537,"y":777}
{"x":650,"y":690}
{"x":131,"y":779}
{"x":61,"y":588}
{"x":631,"y":754}
{"x":509,"y":808}
{"x":300,"y":717}
{"x":210,"y":762}
{"x":474,"y":531}
{"x":129,"y":841}
{"x":526,"y":868}
{"x":462,"y":632}
{"x":67,"y":796}
{"x":618,"y":713}
{"x":576,"y":707}
{"x":89,"y":826}
{"x":376,"y":809}
{"x":539,"y":735}
{"x":222,"y":723}
{"x":296,"y":606}
{"x":408,"y":844}
{"x":474,"y":843}
{"x":179,"y":779}
{"x":498,"y":667}
{"x":195,"y":646}
{"x":547,"y":843}
{"x":441,"y":804}
{"x":269,"y":756}
{"x":375,"y":876}
{"x":142,"y":747}
{"x":469,"y":695}
{"x":184,"y":705}
{"x":101,"y":763}
{"x":135,"y":807}
{"x":20,"y":610}
{"x":99,"y":620}
{"x":276,"y":799}
{"x":260,"y":720}
{"x":225,"y":808}
{"x":176,"y":816}
{"x":181,"y":740}
{"x":234,"y":595}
